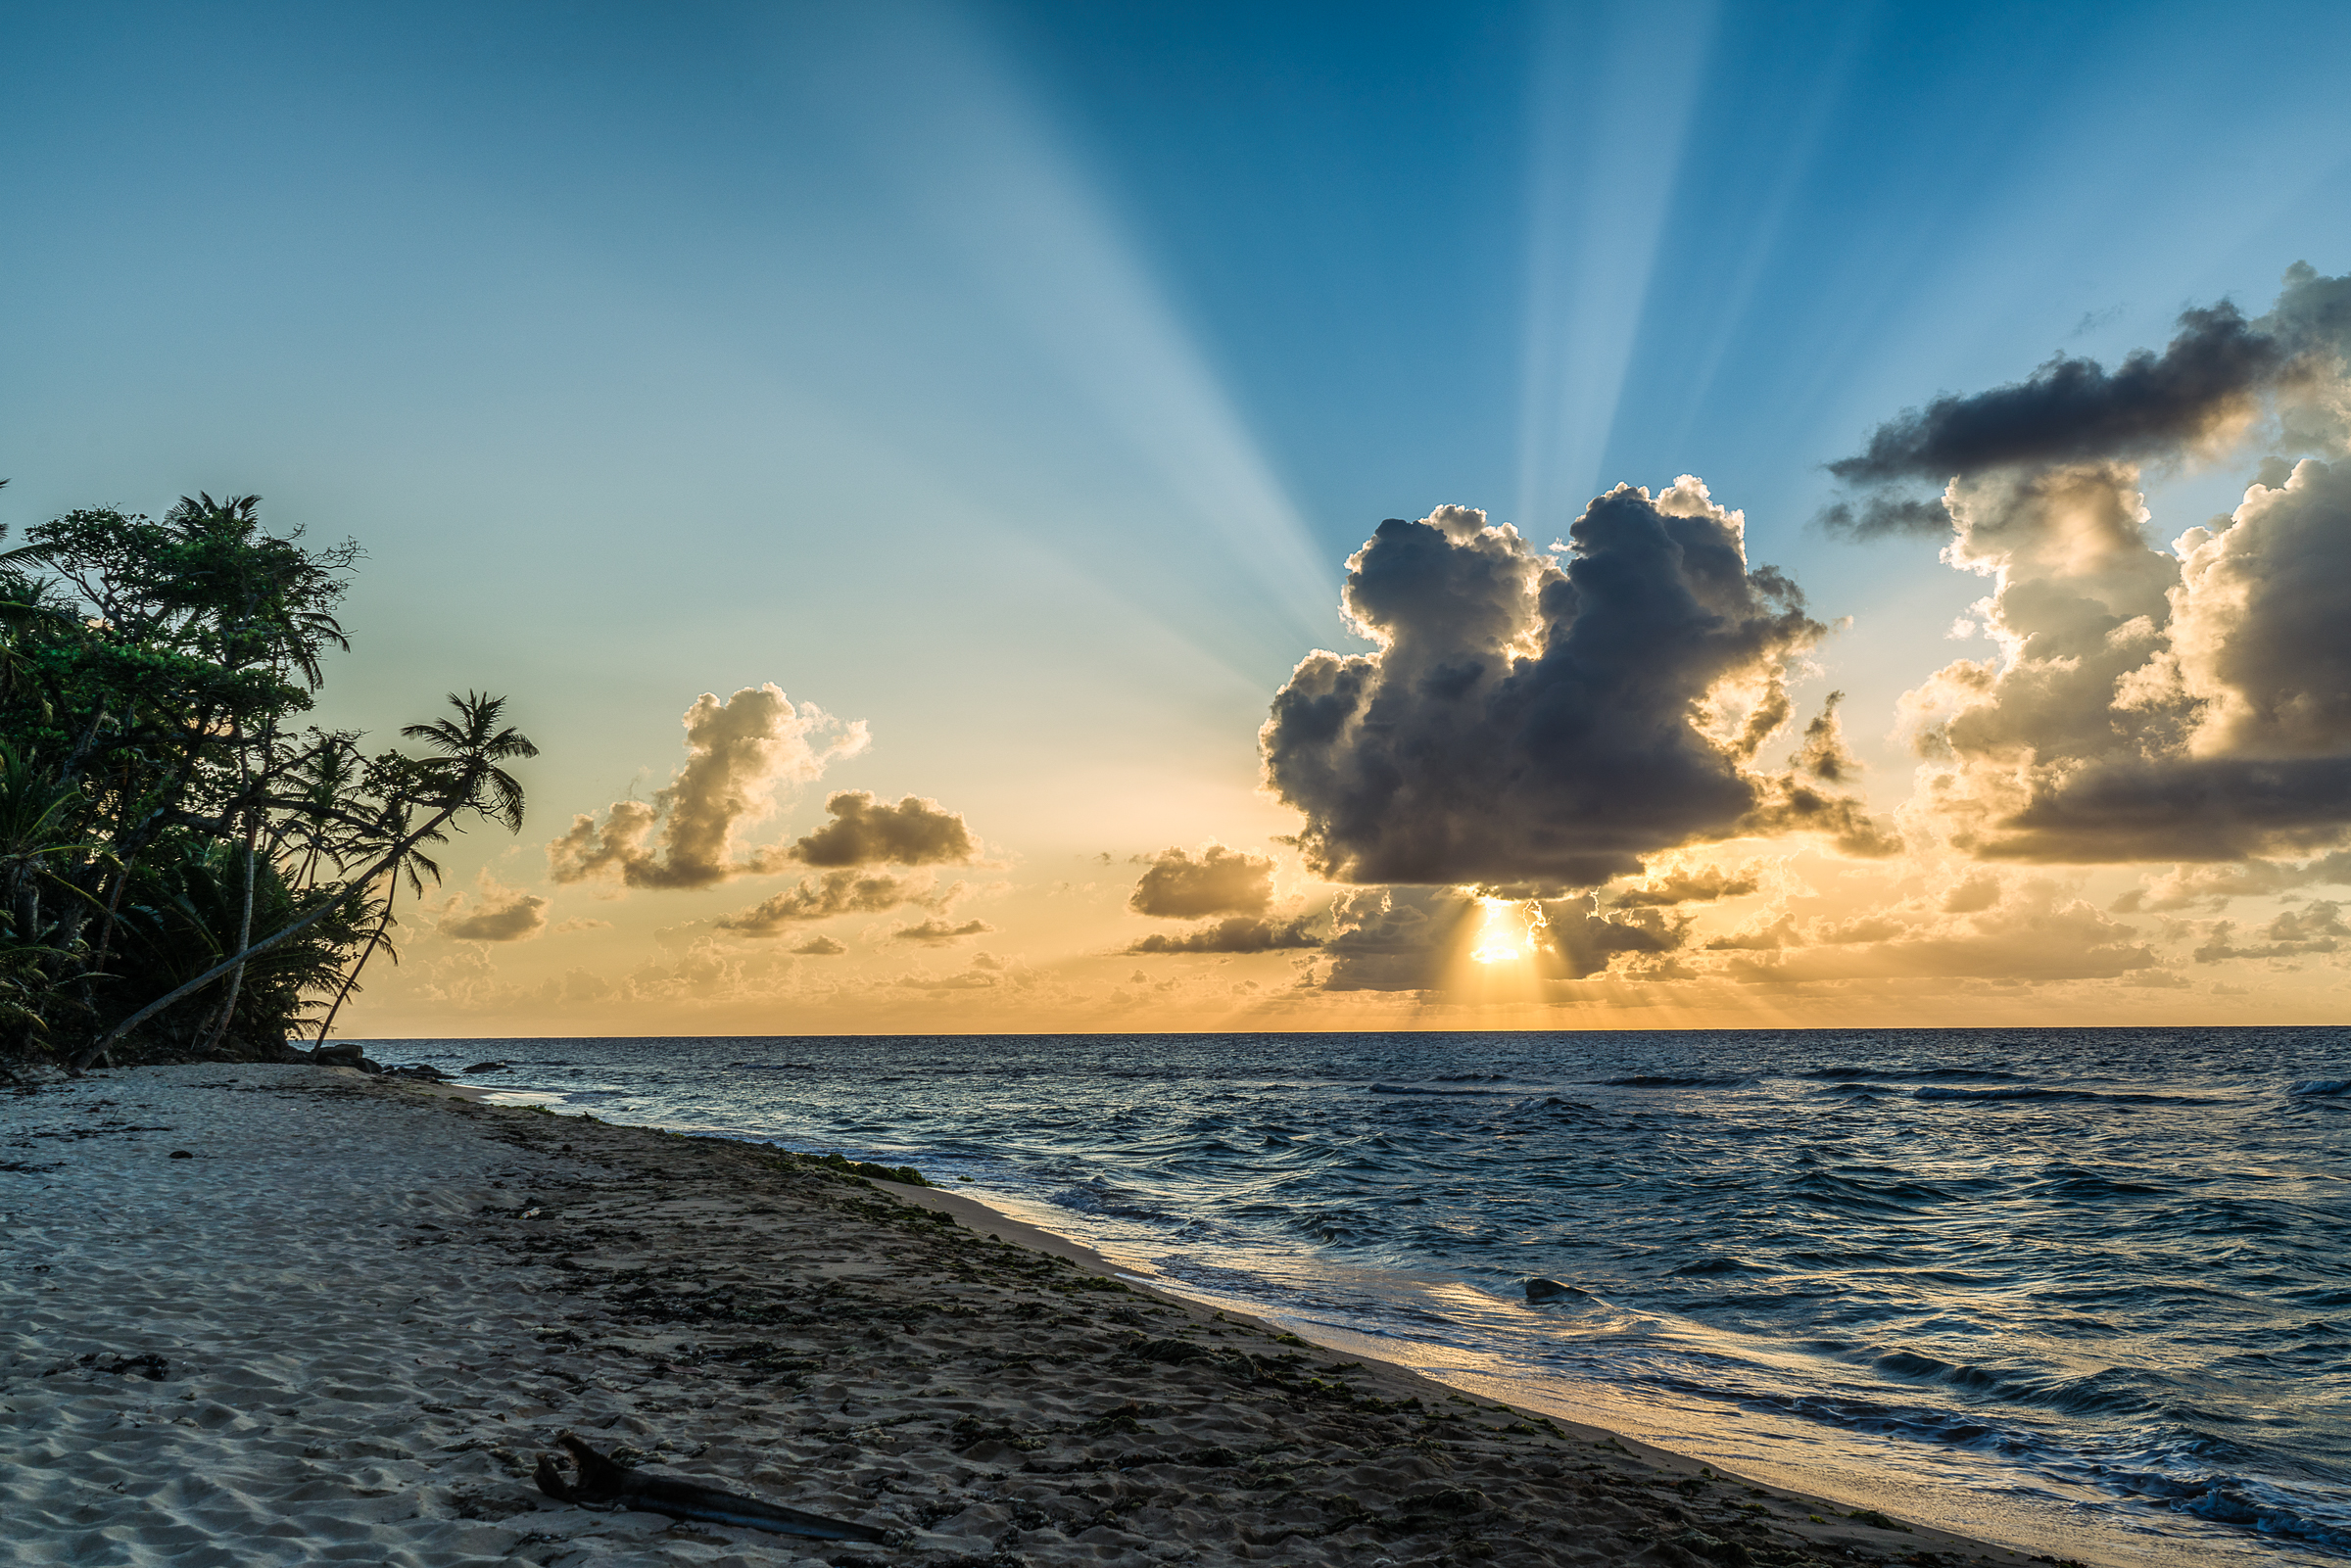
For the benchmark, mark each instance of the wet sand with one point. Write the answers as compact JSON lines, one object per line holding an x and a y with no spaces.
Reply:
{"x":348,"y":1323}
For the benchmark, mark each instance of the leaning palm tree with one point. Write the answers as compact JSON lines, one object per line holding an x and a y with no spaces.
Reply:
{"x":414,"y":867}
{"x":466,"y":777}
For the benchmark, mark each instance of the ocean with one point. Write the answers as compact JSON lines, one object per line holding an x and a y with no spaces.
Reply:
{"x":2065,"y":1288}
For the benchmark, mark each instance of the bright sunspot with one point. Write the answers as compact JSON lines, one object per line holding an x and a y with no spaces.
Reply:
{"x":1508,"y":932}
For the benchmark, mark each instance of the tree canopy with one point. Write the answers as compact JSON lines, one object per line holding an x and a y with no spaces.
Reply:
{"x":188,"y":865}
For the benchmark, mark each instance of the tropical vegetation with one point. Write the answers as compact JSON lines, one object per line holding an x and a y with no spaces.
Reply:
{"x":188,"y":867}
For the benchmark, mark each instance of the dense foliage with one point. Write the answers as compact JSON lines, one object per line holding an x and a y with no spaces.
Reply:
{"x":186,"y":867}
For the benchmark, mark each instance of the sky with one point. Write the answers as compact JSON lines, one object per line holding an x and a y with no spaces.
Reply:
{"x":922,"y":474}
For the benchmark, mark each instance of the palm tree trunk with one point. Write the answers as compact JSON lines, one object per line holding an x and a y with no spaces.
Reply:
{"x":350,"y":981}
{"x":236,"y":976}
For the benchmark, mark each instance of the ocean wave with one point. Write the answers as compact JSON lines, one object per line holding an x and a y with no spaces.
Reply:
{"x":1659,"y":1080}
{"x":2318,"y":1088}
{"x":1422,"y":1088}
{"x":1902,"y":1074}
{"x":2028,"y":1092}
{"x":1098,"y":1197}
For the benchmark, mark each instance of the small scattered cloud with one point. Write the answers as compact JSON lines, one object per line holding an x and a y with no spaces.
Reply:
{"x":1700,"y":885}
{"x":938,"y":934}
{"x":1236,"y":933}
{"x":738,"y":753}
{"x":493,"y":912}
{"x":867,"y":832}
{"x":580,"y":924}
{"x":2317,"y":928}
{"x":821,"y":946}
{"x":1218,"y":881}
{"x":815,"y":898}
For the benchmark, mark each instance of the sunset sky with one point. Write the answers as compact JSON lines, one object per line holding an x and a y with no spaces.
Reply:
{"x":919,"y":472}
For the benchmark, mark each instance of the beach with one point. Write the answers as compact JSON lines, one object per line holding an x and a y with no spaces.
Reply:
{"x":282,"y":1315}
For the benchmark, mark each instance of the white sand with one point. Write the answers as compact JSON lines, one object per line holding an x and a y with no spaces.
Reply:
{"x":368,"y":1345}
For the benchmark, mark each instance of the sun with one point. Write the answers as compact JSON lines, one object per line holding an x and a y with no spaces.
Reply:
{"x":1507,"y":934}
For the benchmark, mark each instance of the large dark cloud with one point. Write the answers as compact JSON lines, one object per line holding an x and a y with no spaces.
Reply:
{"x":1235,"y":934}
{"x":2210,"y":385}
{"x":866,"y":831}
{"x":2209,"y":380}
{"x":2187,"y":705}
{"x":1220,"y":881}
{"x":1528,"y":722}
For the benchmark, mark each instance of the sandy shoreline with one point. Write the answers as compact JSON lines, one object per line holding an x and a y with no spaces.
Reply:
{"x":375,"y":1305}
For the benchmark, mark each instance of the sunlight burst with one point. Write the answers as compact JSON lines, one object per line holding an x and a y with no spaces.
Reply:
{"x":1508,"y":932}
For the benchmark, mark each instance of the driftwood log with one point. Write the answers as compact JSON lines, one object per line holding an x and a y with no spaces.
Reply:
{"x":605,"y":1480}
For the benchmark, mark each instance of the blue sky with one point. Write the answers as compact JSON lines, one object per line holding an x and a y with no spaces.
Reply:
{"x":1017,"y":377}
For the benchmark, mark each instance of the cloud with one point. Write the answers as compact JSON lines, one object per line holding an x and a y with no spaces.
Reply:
{"x":2209,"y":388}
{"x":1411,"y":938}
{"x":496,"y":912}
{"x":2259,"y":636}
{"x":865,"y":831}
{"x":2142,"y":705}
{"x":1236,"y":933}
{"x":1222,"y":882}
{"x":986,"y":973}
{"x":1685,"y":886}
{"x":815,"y":898}
{"x":580,"y":924}
{"x":1394,"y":938}
{"x":2211,"y":886}
{"x":1586,"y":942}
{"x":2317,"y":929}
{"x":738,"y":752}
{"x":2037,"y":933}
{"x":2206,"y":386}
{"x":821,"y":947}
{"x":1524,"y":722}
{"x":938,"y":934}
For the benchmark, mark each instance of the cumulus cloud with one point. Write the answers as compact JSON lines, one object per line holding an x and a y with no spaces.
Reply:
{"x":866,"y":831}
{"x":2212,"y":886}
{"x":815,"y":898}
{"x":1235,"y":934}
{"x":2215,"y":383}
{"x":2141,"y":703}
{"x":2204,"y":389}
{"x":738,"y":752}
{"x":821,"y":947}
{"x":1220,"y":881}
{"x":1702,"y":885}
{"x":1394,"y":938}
{"x":1587,"y":941}
{"x":2317,"y":929}
{"x":1525,"y":721}
{"x":2037,"y":932}
{"x":984,"y":973}
{"x":495,"y":912}
{"x":1414,"y":938}
{"x":938,"y":934}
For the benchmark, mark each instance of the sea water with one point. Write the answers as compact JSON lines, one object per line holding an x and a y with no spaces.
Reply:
{"x":2086,"y":1285}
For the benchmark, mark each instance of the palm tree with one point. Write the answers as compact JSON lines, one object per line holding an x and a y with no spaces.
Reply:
{"x":414,"y":867}
{"x":466,"y":777}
